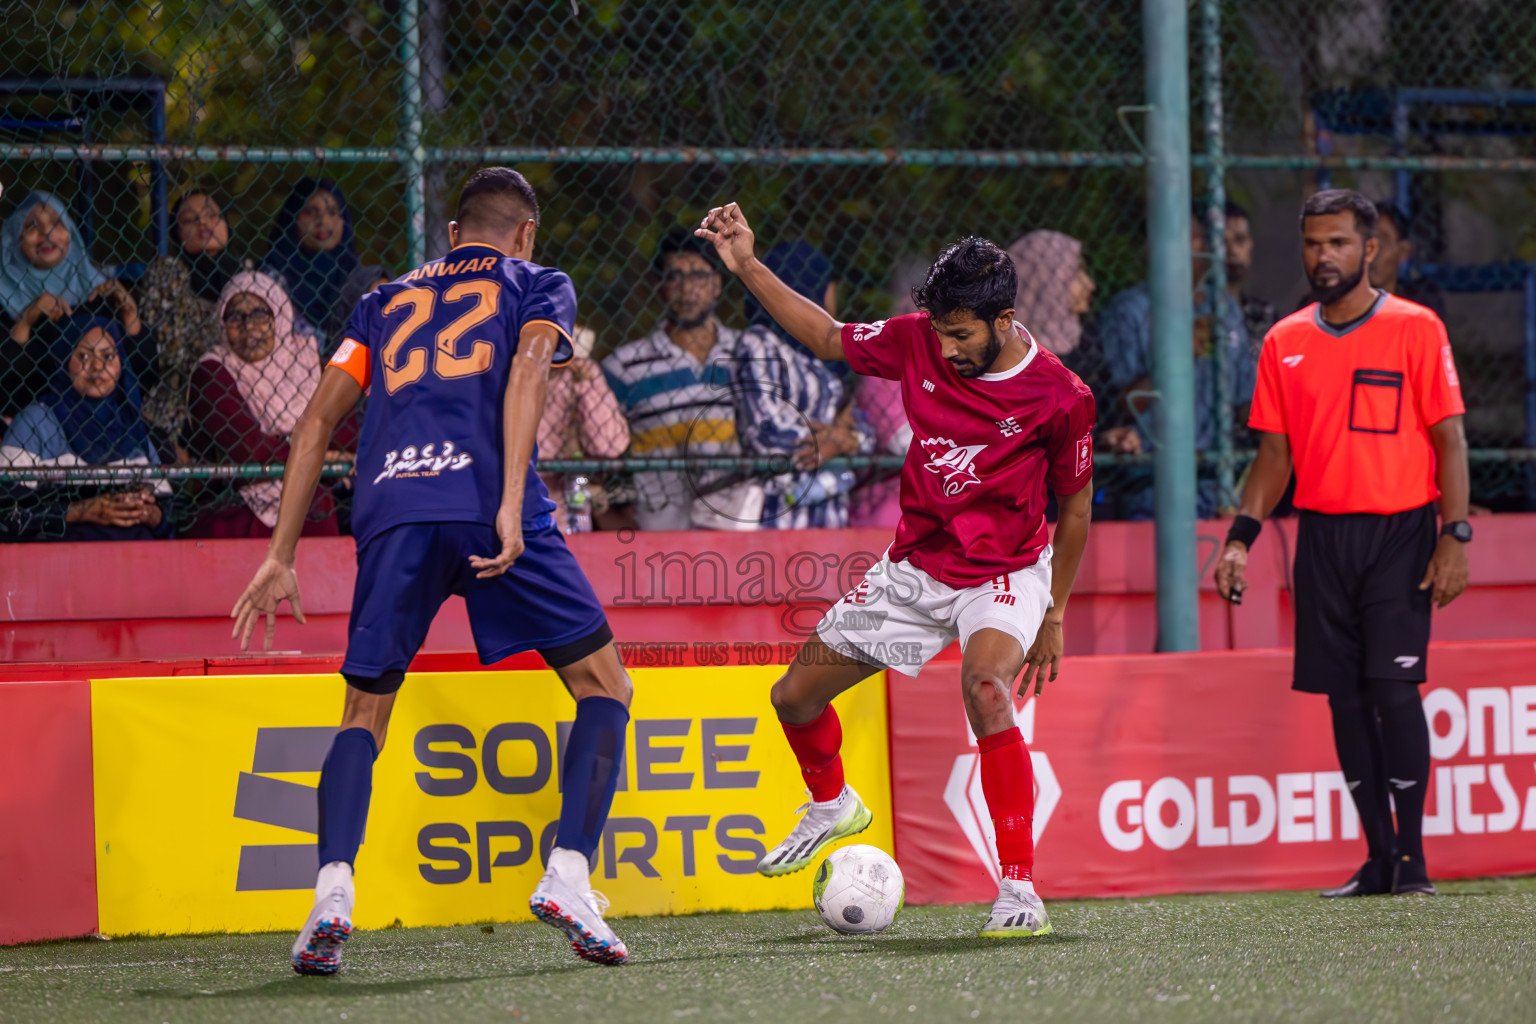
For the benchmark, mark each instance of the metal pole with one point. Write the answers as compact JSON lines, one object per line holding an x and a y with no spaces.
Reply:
{"x":1216,"y":220}
{"x":1402,"y":182}
{"x":1166,"y":27}
{"x":412,"y":155}
{"x":158,"y":204}
{"x":434,"y":87}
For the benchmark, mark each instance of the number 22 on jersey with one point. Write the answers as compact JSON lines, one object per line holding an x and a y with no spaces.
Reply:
{"x":447,"y":363}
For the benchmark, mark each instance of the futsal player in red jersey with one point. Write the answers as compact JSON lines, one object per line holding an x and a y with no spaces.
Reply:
{"x":996,"y":420}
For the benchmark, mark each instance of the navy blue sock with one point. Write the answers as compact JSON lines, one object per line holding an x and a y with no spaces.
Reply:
{"x":346,"y":783}
{"x":592,"y":756}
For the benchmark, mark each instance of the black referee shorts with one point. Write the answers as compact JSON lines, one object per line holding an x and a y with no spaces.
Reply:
{"x":1359,"y":611}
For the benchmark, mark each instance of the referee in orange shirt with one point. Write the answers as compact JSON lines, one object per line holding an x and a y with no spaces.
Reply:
{"x":1359,"y":389}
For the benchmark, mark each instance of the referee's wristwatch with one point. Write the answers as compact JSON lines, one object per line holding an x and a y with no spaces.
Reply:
{"x":1460,"y":530}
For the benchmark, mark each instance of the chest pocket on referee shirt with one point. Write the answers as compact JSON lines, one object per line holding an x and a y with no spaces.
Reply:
{"x":1376,"y":401}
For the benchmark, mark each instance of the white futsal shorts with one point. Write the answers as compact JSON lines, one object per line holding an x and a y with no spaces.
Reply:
{"x":900,"y":617}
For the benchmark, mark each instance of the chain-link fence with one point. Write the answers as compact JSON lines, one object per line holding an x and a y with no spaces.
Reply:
{"x":155,"y":156}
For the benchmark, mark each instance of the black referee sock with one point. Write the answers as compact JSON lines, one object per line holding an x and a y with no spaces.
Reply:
{"x":1357,"y":738}
{"x":1405,"y":755}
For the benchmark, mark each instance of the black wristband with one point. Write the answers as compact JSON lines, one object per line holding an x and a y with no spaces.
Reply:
{"x":1245,"y":530}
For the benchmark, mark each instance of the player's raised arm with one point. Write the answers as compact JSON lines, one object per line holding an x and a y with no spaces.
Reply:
{"x":727,"y":229}
{"x":526,"y":388}
{"x":275,"y":582}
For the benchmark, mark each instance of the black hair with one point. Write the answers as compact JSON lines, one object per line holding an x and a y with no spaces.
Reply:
{"x":208,"y":192}
{"x":1342,"y":200}
{"x":680,"y":240}
{"x":1399,"y":219}
{"x":1237,"y":211}
{"x":972,"y":274}
{"x":497,"y":199}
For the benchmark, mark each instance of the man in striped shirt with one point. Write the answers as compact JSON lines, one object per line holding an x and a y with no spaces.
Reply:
{"x":792,"y":405}
{"x":676,"y":385}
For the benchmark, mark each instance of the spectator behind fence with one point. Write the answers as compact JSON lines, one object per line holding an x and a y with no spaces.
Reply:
{"x":1394,"y":235}
{"x":582,"y":419}
{"x":1259,"y":315}
{"x":675,"y":385}
{"x":46,"y":276}
{"x":1126,"y":330}
{"x":878,"y":401}
{"x":791,"y":404}
{"x":90,"y":415}
{"x":1055,"y":289}
{"x":314,"y":254}
{"x":179,"y":298}
{"x":248,"y":392}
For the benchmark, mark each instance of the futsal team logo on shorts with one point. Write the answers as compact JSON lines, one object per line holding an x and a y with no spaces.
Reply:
{"x":954,"y":462}
{"x":410,"y":462}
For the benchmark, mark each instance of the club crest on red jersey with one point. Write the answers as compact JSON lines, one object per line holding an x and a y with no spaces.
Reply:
{"x":953,"y":462}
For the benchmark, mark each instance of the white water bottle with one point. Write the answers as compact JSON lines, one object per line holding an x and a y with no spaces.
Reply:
{"x":578,"y":505}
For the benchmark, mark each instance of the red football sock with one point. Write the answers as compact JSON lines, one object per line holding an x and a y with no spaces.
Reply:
{"x":816,"y":745}
{"x":1008,"y":782}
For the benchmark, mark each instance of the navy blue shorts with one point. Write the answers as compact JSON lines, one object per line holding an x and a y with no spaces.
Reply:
{"x":404,"y":575}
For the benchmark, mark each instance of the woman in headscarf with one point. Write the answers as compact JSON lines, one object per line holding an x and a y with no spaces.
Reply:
{"x":247,"y":394}
{"x":179,"y":297}
{"x":791,"y":404}
{"x":46,"y":275}
{"x":1055,"y":289}
{"x":314,"y":254}
{"x":91,"y":415}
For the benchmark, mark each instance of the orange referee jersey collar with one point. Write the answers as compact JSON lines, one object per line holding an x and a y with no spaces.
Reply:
{"x":1340,"y":330}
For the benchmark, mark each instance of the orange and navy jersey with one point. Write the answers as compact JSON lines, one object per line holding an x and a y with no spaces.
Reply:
{"x":1356,"y":404}
{"x":434,"y":349}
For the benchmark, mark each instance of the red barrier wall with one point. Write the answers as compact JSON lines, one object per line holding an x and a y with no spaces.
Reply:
{"x":47,"y":818}
{"x":1205,"y":772}
{"x":171,"y":599}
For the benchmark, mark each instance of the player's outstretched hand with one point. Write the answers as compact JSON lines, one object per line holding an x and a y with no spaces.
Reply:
{"x":726,"y":228}
{"x":1231,"y":570}
{"x":1044,"y":653}
{"x":509,"y":527}
{"x":274,"y":583}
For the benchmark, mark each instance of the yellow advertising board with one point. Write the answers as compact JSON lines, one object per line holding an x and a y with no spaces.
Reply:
{"x":205,"y":797}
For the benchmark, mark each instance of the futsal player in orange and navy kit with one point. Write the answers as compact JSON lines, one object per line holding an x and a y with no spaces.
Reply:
{"x":1359,"y":392}
{"x":454,"y":357}
{"x":997,"y":423}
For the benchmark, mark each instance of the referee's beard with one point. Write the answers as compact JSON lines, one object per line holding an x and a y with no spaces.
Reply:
{"x":1328,"y":294}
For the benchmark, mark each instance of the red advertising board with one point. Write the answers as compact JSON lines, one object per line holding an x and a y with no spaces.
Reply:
{"x":1205,"y":772}
{"x":47,"y":830}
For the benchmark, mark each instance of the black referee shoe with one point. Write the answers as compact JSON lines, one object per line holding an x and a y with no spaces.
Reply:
{"x":1410,"y":877}
{"x":1373,"y":879}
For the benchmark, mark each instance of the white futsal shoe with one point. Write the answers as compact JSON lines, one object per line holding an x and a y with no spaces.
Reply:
{"x":318,"y":948}
{"x":565,"y":900}
{"x":821,"y":826}
{"x":1018,"y":913}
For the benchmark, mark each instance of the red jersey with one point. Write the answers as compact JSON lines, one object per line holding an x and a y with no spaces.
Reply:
{"x":1356,"y":405}
{"x":973,"y":488}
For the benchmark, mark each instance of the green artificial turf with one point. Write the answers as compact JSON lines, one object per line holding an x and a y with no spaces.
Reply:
{"x":1466,"y":955}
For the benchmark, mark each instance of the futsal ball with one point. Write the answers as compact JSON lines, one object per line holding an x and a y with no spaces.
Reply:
{"x":858,"y":890}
